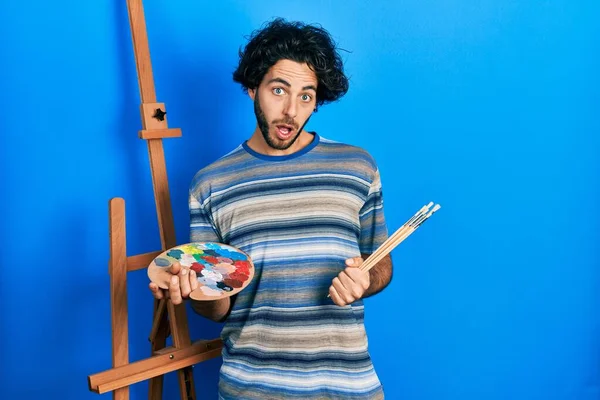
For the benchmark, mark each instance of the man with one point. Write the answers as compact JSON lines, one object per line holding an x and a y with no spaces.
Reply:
{"x":308,"y":211}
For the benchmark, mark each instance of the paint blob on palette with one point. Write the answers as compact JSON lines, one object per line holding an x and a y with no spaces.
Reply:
{"x":222,"y":270}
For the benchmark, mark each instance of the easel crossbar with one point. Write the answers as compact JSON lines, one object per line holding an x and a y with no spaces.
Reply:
{"x":140,"y":261}
{"x":168,"y":360}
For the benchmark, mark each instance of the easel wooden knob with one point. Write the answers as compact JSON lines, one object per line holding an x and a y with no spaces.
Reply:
{"x":168,"y":318}
{"x":154,"y":120}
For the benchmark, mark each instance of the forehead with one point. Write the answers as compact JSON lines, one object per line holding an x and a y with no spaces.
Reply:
{"x":295,"y":73}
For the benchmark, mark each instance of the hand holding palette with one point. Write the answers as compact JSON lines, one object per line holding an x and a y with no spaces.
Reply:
{"x":222,"y":270}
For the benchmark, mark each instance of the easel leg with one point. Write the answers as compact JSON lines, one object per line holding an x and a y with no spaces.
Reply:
{"x":181,"y":338}
{"x":153,"y":131}
{"x":158,"y":339}
{"x":118,"y":289}
{"x":176,"y":325}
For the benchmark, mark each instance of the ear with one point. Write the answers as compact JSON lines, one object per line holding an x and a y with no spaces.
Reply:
{"x":252,"y":93}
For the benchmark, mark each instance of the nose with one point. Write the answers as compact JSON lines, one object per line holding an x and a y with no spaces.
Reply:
{"x":291,"y":108}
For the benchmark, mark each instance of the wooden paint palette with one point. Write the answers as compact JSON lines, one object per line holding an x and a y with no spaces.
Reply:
{"x":222,"y":270}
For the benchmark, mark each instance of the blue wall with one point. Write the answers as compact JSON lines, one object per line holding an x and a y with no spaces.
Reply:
{"x":490,"y":108}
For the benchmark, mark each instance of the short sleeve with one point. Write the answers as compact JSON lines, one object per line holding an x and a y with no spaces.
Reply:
{"x":201,"y":227}
{"x":373,"y":228}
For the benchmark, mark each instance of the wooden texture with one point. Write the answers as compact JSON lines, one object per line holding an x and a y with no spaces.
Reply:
{"x":179,"y":326}
{"x":118,"y":289}
{"x":159,"y":315}
{"x":141,"y":51}
{"x":160,"y":333}
{"x":169,"y":359}
{"x":167,"y":235}
{"x":168,"y":318}
{"x":149,"y":121}
{"x":161,"y":197}
{"x":141,"y":261}
{"x":159,"y":133}
{"x":181,"y":339}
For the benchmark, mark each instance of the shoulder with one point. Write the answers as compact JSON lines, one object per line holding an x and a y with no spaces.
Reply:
{"x":217,"y":171}
{"x":348,"y":153}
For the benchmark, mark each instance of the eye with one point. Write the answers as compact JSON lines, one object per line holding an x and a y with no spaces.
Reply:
{"x":306,"y":97}
{"x":278,"y":91}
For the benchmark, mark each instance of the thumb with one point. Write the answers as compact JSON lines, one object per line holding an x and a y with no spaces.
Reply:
{"x":354,"y":262}
{"x":175,"y":268}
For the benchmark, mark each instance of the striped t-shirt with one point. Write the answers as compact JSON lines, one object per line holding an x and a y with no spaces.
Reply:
{"x":298,"y":217}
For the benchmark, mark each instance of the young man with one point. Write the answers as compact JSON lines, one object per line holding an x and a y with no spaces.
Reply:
{"x":307,"y":210}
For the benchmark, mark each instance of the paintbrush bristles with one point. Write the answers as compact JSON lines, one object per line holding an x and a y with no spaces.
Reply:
{"x":437,"y":207}
{"x":400,"y":235}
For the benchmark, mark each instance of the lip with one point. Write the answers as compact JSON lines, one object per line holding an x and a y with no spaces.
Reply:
{"x":284,"y":136}
{"x":290,"y":127}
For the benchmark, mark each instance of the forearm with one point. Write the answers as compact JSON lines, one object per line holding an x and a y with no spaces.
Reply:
{"x":215,"y":310}
{"x":380,"y":275}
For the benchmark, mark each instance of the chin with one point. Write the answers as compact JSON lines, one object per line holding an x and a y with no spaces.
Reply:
{"x":279,"y":144}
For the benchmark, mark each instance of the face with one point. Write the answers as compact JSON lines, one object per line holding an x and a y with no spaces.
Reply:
{"x":283,"y":103}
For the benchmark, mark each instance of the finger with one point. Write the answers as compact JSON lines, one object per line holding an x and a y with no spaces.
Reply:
{"x":156,"y":291}
{"x":346,"y":280}
{"x":342,"y":291}
{"x":193,"y":280}
{"x":175,"y":290}
{"x":175,"y":268}
{"x":360,"y":277}
{"x":184,"y":282}
{"x":337,"y":284}
{"x":353,"y":282}
{"x":349,"y":286}
{"x":335,"y":297}
{"x":354,"y":262}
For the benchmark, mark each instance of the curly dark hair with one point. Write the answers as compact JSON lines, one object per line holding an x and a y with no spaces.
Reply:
{"x":298,"y":42}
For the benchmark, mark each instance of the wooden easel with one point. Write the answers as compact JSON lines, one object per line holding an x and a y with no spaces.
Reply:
{"x":183,"y":353}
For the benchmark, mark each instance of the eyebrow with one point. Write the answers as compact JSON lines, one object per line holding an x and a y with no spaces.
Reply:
{"x":286,"y":83}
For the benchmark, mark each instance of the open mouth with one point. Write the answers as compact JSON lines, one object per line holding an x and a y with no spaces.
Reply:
{"x":284,"y":131}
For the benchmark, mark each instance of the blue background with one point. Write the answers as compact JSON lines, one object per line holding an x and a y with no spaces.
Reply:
{"x":489,"y":108}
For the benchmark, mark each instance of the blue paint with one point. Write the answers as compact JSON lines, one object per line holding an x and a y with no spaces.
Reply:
{"x":162,"y":262}
{"x":175,"y":253}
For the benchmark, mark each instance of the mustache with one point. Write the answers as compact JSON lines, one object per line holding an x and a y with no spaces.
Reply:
{"x":286,"y":121}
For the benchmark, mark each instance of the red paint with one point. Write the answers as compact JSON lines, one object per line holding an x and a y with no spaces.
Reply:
{"x":197,"y":267}
{"x":211,"y":259}
{"x":239,"y":276}
{"x":242,"y":264}
{"x":234,"y":283}
{"x":242,"y":267}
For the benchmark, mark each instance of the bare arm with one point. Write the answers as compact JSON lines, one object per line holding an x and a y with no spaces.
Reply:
{"x":380,"y":275}
{"x":215,"y":310}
